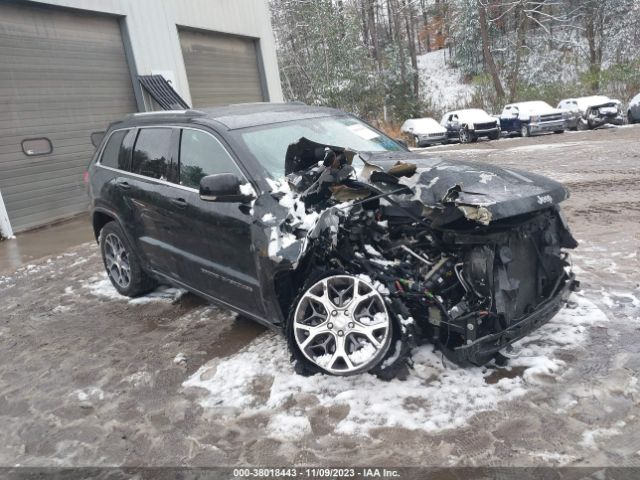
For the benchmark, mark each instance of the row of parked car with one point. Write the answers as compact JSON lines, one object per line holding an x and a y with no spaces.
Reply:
{"x":522,"y":118}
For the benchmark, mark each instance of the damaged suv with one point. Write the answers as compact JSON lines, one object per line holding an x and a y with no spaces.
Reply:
{"x":311,"y":222}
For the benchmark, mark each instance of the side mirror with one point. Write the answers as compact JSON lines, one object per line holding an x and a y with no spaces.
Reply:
{"x":223,"y":187}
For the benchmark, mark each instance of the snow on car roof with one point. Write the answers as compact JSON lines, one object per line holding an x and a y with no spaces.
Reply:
{"x":532,"y":104}
{"x":584,"y":102}
{"x":420,"y":123}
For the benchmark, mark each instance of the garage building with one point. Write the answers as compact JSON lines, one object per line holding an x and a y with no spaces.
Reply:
{"x":70,"y":67}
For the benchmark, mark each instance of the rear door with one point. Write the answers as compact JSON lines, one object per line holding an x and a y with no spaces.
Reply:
{"x":214,"y":239}
{"x":152,"y":214}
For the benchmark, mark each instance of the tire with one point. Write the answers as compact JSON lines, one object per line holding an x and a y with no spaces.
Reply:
{"x":558,"y":131}
{"x":465,"y":135}
{"x":494,"y":136}
{"x":122,"y":264}
{"x":314,"y":309}
{"x":630,"y":118}
{"x":581,"y":126}
{"x":416,"y":142}
{"x":524,"y":131}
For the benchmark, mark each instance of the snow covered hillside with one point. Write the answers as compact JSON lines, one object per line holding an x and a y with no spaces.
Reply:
{"x":441,"y":84}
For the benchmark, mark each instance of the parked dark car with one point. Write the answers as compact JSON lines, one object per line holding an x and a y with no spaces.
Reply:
{"x":528,"y":118}
{"x":362,"y":250}
{"x":469,"y":125}
{"x":587,"y":113}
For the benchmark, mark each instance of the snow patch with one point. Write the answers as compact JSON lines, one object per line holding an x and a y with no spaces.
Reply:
{"x":100,"y":286}
{"x":436,"y":396}
{"x":442,"y":83}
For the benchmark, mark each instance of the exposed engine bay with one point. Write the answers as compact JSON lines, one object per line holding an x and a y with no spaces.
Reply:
{"x":467,"y":256}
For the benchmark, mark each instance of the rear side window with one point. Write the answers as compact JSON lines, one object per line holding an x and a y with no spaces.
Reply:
{"x":111,"y":154}
{"x":201,"y":154}
{"x":151,"y":156}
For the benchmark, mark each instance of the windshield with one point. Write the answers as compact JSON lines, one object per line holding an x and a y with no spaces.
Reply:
{"x":269,"y":143}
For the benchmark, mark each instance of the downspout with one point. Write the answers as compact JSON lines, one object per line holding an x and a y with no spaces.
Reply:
{"x":5,"y":226}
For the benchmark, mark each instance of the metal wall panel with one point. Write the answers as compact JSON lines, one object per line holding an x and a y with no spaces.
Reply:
{"x":64,"y":75}
{"x":221,"y":69}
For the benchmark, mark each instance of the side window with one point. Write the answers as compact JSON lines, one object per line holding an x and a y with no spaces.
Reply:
{"x":111,"y":152}
{"x":151,"y":155}
{"x":202,"y":154}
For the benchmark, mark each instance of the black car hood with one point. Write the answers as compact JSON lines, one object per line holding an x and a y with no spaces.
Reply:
{"x":478,"y":191}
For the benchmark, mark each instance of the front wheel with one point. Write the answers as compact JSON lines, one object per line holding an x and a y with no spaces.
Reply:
{"x":525,"y":131}
{"x":465,"y":135}
{"x":122,"y":264}
{"x":339,"y":325}
{"x":558,"y":131}
{"x":416,"y":141}
{"x":582,"y":125}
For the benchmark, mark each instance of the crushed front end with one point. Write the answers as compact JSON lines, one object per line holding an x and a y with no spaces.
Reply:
{"x":471,"y":259}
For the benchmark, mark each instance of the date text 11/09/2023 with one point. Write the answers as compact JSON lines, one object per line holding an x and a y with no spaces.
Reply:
{"x":307,"y":472}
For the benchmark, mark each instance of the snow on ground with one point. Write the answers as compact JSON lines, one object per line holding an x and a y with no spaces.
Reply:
{"x":100,"y":286}
{"x":441,"y":83}
{"x":437,"y":395}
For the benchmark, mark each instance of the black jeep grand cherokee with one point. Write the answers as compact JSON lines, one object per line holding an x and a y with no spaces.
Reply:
{"x":312,"y":222}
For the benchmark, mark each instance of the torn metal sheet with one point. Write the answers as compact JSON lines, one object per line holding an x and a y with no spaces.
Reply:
{"x":462,"y":249}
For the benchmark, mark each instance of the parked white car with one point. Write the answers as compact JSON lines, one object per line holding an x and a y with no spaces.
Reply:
{"x":470,"y":124}
{"x":424,"y":131}
{"x":591,"y":112}
{"x":527,"y":118}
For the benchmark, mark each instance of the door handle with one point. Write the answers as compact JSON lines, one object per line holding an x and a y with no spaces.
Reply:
{"x":179,"y":202}
{"x":123,"y":184}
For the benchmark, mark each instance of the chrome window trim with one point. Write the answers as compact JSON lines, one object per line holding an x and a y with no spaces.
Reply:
{"x":166,"y":182}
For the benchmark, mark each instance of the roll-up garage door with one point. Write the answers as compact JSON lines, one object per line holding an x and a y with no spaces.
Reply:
{"x":63,"y":75}
{"x":221,"y":69}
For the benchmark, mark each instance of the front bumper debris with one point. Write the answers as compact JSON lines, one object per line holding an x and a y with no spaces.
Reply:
{"x":485,"y":348}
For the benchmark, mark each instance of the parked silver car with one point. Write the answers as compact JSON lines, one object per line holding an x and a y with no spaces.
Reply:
{"x":633,"y":113}
{"x":424,"y":131}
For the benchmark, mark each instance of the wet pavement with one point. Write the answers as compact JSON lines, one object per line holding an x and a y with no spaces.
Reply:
{"x":90,"y":378}
{"x":44,"y":242}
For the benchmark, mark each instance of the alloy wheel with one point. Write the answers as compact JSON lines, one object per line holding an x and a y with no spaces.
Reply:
{"x":341,"y":324}
{"x":117,"y":261}
{"x":465,"y":136}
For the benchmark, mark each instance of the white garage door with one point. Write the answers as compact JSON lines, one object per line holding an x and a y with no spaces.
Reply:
{"x":221,"y":69}
{"x":63,"y":75}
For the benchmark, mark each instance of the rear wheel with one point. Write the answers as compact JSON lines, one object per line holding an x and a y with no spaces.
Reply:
{"x":582,"y":125}
{"x":558,"y":131}
{"x":524,"y":131}
{"x":494,"y":136}
{"x":339,"y":325}
{"x":630,"y":118}
{"x":121,"y":263}
{"x":416,"y":141}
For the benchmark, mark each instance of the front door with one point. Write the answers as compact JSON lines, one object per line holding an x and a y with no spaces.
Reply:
{"x":214,"y":240}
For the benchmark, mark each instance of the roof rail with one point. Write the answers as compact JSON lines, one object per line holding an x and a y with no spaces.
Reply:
{"x":187,"y":113}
